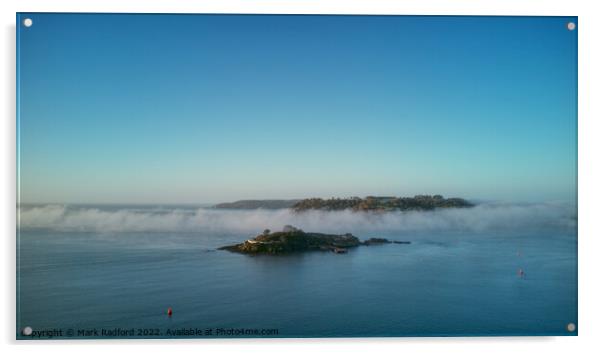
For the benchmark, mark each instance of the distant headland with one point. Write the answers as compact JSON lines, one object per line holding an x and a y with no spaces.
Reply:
{"x":257,"y":204}
{"x":370,"y":203}
{"x":292,"y":240}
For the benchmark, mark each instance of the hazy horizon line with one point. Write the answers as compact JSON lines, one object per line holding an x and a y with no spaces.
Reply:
{"x":210,"y":203}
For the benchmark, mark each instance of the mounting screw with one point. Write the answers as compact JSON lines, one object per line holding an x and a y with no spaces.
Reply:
{"x":27,"y":331}
{"x":571,"y":26}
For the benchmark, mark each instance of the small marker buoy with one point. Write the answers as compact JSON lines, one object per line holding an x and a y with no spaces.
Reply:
{"x":169,"y":311}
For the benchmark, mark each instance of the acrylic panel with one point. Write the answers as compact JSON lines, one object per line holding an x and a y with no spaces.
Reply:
{"x":270,"y":176}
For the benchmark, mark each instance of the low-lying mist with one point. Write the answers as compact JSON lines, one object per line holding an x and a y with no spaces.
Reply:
{"x":481,"y":218}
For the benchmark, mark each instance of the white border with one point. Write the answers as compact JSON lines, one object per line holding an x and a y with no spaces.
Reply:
{"x":590,"y":173}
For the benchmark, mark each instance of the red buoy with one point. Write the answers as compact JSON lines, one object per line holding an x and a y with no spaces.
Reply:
{"x":169,"y":312}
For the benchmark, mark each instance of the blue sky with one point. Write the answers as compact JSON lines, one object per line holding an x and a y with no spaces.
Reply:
{"x":201,"y":108}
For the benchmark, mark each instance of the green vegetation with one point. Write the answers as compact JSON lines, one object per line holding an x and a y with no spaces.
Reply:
{"x":373,"y":203}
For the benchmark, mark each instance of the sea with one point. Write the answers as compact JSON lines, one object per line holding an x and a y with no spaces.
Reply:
{"x":114,"y":271}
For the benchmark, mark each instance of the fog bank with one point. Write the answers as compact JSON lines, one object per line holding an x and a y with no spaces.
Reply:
{"x":481,"y":218}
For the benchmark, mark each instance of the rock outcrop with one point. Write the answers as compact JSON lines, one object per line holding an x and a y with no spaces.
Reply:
{"x":292,"y":240}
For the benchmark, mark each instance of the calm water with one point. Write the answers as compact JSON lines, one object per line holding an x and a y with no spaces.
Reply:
{"x":444,"y":283}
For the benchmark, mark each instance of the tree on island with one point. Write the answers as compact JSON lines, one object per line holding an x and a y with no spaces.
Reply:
{"x":379,"y":203}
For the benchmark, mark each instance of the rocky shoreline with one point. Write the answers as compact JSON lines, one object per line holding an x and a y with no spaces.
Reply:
{"x":293,"y":240}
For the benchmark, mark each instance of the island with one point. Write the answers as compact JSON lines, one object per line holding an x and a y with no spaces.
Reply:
{"x":369,"y":203}
{"x":293,"y":240}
